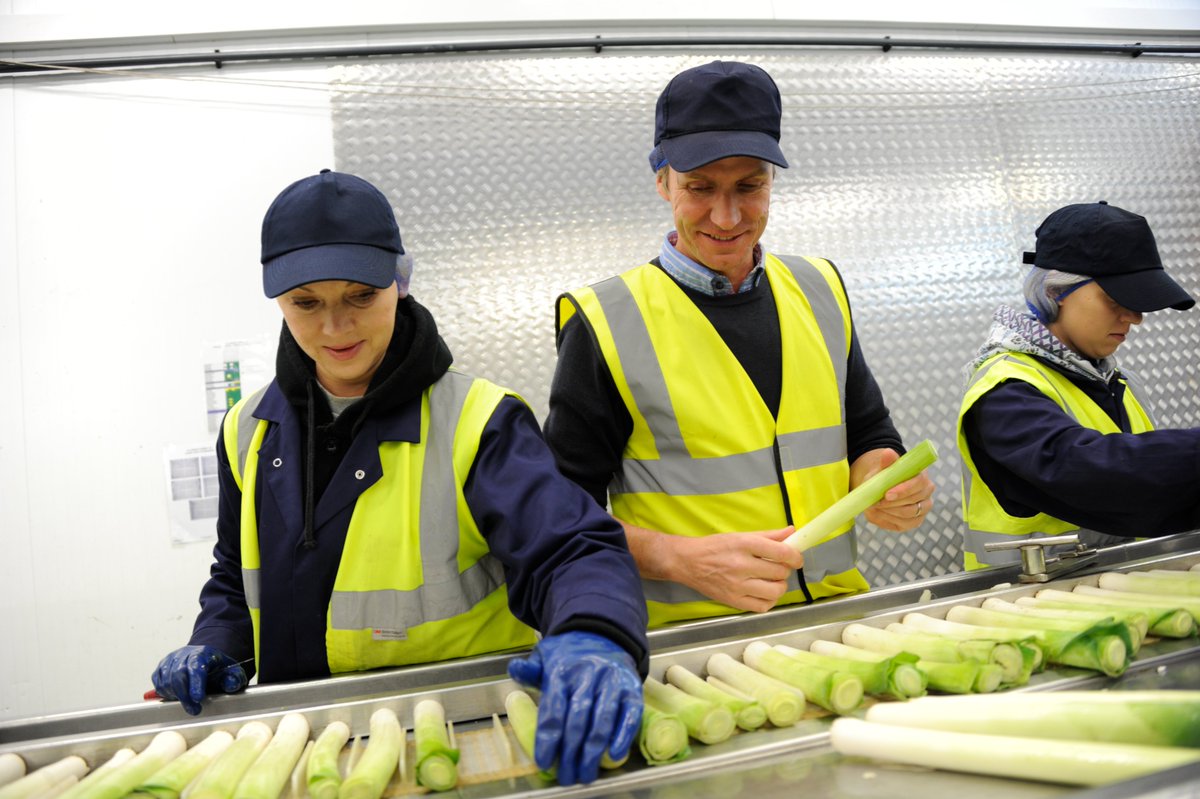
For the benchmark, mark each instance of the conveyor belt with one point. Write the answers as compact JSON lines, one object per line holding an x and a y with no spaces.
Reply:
{"x":767,"y":762}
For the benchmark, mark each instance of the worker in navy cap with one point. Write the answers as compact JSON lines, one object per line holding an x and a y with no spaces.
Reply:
{"x":380,"y":508}
{"x":717,"y":396}
{"x":1055,"y":436}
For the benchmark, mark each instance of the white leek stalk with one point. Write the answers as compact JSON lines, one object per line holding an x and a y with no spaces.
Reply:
{"x":323,"y":775}
{"x":663,"y":738}
{"x":437,"y":760}
{"x":784,"y":703}
{"x":45,"y":778}
{"x":270,"y":772}
{"x":1026,"y":605}
{"x":78,"y":786}
{"x":1160,"y":718}
{"x":1189,"y":603}
{"x":881,"y":675}
{"x":220,"y":779}
{"x":523,"y":718}
{"x":12,"y":768}
{"x":828,"y":521}
{"x":170,"y":780}
{"x":968,"y":614}
{"x":1081,"y":763}
{"x":1152,"y":583}
{"x":120,"y":780}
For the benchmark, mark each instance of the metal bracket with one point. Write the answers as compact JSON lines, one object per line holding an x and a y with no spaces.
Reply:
{"x":1036,"y":567}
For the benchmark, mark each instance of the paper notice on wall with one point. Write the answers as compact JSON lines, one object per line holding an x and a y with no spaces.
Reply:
{"x":232,"y":370}
{"x":192,"y":493}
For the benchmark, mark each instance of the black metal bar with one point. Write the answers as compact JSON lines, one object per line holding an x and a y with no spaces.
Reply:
{"x":594,"y":44}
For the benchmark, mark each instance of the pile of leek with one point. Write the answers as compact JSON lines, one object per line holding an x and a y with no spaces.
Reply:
{"x":705,"y":721}
{"x":895,"y":676}
{"x":747,"y":712}
{"x":783,"y":703}
{"x":951,"y":665}
{"x":1102,"y":647}
{"x":1165,"y":621}
{"x":170,"y":780}
{"x":836,"y":691}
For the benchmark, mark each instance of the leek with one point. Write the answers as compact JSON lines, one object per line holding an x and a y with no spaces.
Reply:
{"x":663,"y":737}
{"x":747,"y":712}
{"x":1167,"y":621}
{"x":881,"y":676}
{"x":12,"y":768}
{"x":118,"y":781}
{"x":269,"y":773}
{"x":1082,"y":763}
{"x":119,"y":758}
{"x":322,"y":774}
{"x":1188,"y":603}
{"x":523,"y":718}
{"x":1138,"y":621}
{"x":437,"y":760}
{"x":1160,"y":718}
{"x":968,"y":676}
{"x":967,"y":614}
{"x":170,"y":780}
{"x":220,"y":779}
{"x":705,"y":721}
{"x":784,"y":703}
{"x":1103,"y":647}
{"x":1145,"y":583}
{"x":836,"y":691}
{"x":833,"y":518}
{"x":1016,"y":660}
{"x":45,"y":778}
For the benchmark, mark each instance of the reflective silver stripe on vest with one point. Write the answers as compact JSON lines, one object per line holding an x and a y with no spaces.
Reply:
{"x":675,"y":473}
{"x":1133,"y":385}
{"x":832,"y":557}
{"x":251,"y":589}
{"x":975,"y":540}
{"x":444,"y":592}
{"x":245,"y":432}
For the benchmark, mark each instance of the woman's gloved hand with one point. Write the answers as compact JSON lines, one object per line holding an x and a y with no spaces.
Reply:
{"x":191,"y":672}
{"x":591,"y":702}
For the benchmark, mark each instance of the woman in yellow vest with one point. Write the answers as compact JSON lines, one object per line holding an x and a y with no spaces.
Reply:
{"x":379,"y":508}
{"x":1054,"y":436}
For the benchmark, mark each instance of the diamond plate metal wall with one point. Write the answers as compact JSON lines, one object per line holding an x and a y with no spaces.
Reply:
{"x":922,"y":176}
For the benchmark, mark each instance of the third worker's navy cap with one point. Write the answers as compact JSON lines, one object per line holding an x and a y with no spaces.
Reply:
{"x":330,"y":226}
{"x":719,"y":110}
{"x":1113,"y":246}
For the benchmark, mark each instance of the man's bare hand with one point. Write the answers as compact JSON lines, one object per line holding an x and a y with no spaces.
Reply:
{"x":748,"y":571}
{"x":905,"y":505}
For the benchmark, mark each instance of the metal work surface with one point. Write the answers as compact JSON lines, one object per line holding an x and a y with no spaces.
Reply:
{"x":768,"y":762}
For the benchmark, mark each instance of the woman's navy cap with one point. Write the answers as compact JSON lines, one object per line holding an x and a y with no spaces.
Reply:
{"x":718,"y":110}
{"x":330,"y":226}
{"x":1115,"y":247}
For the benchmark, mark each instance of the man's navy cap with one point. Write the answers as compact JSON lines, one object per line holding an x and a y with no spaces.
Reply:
{"x":718,"y":110}
{"x":1113,"y":246}
{"x":330,"y":226}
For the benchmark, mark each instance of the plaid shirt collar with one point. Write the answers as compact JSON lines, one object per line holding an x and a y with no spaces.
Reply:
{"x":700,"y":278}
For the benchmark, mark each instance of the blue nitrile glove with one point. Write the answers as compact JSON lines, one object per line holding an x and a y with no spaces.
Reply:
{"x":191,"y":672}
{"x":591,"y":702}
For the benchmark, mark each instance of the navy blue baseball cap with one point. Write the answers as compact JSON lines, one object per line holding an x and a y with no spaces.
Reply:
{"x":718,"y":110}
{"x":1113,"y":246}
{"x":330,"y":226}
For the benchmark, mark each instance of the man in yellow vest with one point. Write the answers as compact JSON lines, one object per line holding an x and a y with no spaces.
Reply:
{"x":717,"y":396}
{"x":1054,"y":436}
{"x":380,"y":508}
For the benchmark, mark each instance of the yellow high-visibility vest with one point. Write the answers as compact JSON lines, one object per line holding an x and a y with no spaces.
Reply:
{"x":416,"y":582}
{"x":984,"y":519}
{"x":706,"y":456}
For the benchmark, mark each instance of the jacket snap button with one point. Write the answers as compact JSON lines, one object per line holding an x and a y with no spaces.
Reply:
{"x":277,"y":462}
{"x":360,"y":474}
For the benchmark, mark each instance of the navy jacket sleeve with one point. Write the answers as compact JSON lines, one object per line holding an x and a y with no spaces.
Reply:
{"x":566,"y":561}
{"x":224,"y":620}
{"x":1037,"y":458}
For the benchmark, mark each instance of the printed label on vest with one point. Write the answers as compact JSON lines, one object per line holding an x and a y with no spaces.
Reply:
{"x":389,"y":635}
